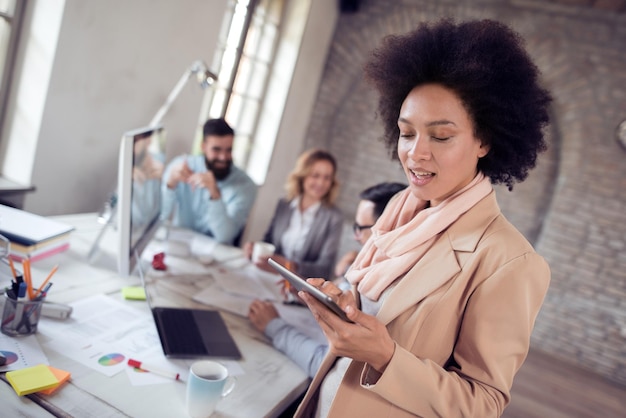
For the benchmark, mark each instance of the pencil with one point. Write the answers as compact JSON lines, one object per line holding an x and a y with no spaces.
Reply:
{"x":27,"y":278}
{"x":54,"y":269}
{"x":13,"y":269}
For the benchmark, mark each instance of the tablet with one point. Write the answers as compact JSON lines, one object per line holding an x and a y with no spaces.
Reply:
{"x":301,"y":284}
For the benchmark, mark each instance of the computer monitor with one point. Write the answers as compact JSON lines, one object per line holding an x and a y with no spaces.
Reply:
{"x":141,"y":164}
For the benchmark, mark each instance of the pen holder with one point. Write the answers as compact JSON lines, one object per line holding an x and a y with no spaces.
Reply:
{"x":20,"y":316}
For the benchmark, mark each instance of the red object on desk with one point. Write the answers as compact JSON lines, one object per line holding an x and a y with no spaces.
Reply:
{"x":158,"y":261}
{"x":152,"y":369}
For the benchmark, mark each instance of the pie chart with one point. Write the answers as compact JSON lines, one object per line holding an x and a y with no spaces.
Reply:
{"x":111,"y":359}
{"x":10,"y":356}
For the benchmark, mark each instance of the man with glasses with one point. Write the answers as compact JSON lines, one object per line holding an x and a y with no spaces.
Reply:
{"x":303,"y":350}
{"x":373,"y":201}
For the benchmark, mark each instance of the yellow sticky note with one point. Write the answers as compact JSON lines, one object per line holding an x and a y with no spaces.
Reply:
{"x":134,"y":292}
{"x":61,"y":375}
{"x":32,"y":379}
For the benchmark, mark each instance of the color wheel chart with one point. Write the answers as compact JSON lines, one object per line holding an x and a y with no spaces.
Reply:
{"x":111,"y":359}
{"x":107,"y":360}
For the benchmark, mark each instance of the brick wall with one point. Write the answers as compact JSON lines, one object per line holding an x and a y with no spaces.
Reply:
{"x":573,"y":205}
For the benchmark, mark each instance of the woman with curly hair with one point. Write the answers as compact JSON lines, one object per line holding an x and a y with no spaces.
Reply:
{"x":306,"y":226}
{"x":445,"y":294}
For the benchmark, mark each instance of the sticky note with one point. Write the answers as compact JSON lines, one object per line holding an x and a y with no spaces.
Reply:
{"x":61,"y":375}
{"x":134,"y":292}
{"x":32,"y":379}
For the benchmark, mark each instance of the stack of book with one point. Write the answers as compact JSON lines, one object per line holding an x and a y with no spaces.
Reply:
{"x":32,"y":236}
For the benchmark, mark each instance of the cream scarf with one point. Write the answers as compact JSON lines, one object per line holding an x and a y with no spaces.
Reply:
{"x":403,"y":234}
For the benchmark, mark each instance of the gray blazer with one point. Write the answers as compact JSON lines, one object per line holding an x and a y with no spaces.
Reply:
{"x":319,"y":252}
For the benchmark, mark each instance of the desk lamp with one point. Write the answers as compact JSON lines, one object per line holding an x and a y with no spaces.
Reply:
{"x":204,"y":77}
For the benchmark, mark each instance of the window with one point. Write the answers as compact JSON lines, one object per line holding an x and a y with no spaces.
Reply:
{"x":244,"y":62}
{"x":11,"y":16}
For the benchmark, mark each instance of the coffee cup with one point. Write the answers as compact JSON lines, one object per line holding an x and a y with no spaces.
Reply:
{"x":261,"y":250}
{"x":207,"y":384}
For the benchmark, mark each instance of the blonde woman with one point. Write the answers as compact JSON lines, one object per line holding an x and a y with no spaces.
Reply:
{"x":306,"y":226}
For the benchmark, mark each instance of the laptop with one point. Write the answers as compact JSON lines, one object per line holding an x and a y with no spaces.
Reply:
{"x":191,"y":333}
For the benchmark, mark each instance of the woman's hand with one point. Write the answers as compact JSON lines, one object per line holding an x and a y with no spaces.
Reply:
{"x":366,"y":340}
{"x":264,"y":265}
{"x":247,"y":249}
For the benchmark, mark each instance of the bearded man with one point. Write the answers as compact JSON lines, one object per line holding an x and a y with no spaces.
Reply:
{"x":206,"y":192}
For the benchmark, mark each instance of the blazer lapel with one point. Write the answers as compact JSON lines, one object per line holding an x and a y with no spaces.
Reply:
{"x":436,"y":268}
{"x":440,"y":263}
{"x":283,"y":216}
{"x":321,"y":217}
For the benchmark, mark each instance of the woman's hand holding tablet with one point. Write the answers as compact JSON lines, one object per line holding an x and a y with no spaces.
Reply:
{"x":299,"y":283}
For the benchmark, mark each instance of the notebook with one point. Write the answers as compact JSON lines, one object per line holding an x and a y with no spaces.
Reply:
{"x":27,"y":228}
{"x":191,"y":333}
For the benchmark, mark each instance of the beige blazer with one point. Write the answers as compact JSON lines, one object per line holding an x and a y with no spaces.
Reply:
{"x":457,"y":349}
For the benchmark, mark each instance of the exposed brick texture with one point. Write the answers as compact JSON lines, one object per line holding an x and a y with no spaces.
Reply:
{"x":573,"y":205}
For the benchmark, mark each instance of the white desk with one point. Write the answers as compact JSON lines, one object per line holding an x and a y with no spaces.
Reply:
{"x":269,"y":384}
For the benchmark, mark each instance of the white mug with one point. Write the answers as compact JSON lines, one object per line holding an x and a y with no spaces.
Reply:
{"x":262,"y":249}
{"x":208,"y":382}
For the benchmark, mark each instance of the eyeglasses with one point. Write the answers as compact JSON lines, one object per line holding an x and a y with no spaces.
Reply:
{"x":359,"y":228}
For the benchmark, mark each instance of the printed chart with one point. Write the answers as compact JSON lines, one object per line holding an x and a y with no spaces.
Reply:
{"x":10,"y":356}
{"x":111,"y":359}
{"x":103,"y":334}
{"x":21,"y":352}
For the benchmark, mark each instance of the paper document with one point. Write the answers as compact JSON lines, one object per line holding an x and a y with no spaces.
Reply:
{"x":233,"y":291}
{"x":21,"y":352}
{"x":249,"y":282}
{"x":215,"y":296}
{"x":103,"y":334}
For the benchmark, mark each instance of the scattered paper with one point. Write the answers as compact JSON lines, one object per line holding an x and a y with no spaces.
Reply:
{"x":103,"y":334}
{"x":21,"y":352}
{"x":250,"y":282}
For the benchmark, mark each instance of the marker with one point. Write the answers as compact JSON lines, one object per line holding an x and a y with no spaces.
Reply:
{"x":149,"y":368}
{"x":21,"y":292}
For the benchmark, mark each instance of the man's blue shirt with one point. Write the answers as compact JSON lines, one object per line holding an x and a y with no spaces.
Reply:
{"x":222,"y":218}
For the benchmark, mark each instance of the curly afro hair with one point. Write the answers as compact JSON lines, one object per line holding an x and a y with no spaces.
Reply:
{"x":486,"y":64}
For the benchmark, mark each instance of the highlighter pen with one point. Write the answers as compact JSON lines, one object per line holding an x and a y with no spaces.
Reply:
{"x":149,"y":368}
